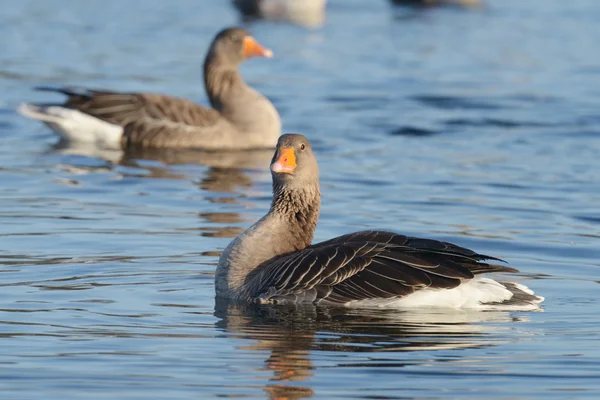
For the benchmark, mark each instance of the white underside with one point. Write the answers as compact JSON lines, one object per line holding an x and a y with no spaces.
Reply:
{"x":75,"y":126}
{"x":474,"y":294}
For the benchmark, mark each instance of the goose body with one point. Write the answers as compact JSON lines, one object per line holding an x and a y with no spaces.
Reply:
{"x":432,"y":3}
{"x":309,"y":13}
{"x":241,"y":118}
{"x":274,"y":261}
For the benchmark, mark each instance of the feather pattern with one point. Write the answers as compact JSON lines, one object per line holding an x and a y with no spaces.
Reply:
{"x":153,"y":120}
{"x":366,"y":265}
{"x":124,"y":108}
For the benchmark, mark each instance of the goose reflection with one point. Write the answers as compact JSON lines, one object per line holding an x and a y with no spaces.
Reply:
{"x":228,"y":173}
{"x":292,"y":333}
{"x":228,"y":170}
{"x":232,"y":174}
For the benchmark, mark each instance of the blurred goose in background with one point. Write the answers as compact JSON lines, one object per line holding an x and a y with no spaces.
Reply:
{"x":241,"y":118}
{"x":273,"y":261}
{"x":308,"y":13}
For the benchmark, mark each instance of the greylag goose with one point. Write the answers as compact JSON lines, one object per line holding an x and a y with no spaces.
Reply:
{"x":241,"y":118}
{"x":309,"y":13}
{"x":273,"y":261}
{"x":431,"y":3}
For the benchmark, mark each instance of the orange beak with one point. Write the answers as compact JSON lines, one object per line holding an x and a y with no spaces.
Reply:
{"x":286,"y":162}
{"x":251,"y":48}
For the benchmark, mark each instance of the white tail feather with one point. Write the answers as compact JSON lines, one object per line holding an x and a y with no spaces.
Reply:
{"x":76,"y":126}
{"x":479,"y":293}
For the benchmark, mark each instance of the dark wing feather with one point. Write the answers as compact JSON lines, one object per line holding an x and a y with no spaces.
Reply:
{"x":124,"y":108}
{"x":365,"y":265}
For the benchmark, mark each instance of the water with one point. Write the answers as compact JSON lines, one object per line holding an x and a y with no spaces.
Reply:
{"x":477,"y":127}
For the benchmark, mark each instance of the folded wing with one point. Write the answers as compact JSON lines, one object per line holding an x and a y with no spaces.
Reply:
{"x":366,"y":265}
{"x":123,"y":108}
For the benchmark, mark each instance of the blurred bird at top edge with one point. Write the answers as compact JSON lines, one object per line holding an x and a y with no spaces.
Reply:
{"x":307,"y":13}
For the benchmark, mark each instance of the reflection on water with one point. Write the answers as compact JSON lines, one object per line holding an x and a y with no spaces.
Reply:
{"x":228,"y":172}
{"x":290,"y":334}
{"x":226,"y":168}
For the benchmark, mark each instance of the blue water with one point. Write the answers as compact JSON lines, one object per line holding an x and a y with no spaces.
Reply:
{"x":480,"y":127}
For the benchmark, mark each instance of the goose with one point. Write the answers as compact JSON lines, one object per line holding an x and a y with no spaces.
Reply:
{"x":308,"y":13}
{"x":273,"y":261}
{"x":241,"y":118}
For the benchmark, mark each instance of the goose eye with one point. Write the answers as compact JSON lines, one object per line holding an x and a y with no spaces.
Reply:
{"x":235,"y":38}
{"x":302,"y":146}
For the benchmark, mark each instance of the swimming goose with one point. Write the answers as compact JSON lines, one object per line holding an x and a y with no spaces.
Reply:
{"x":241,"y":118}
{"x":273,"y":261}
{"x":431,"y":3}
{"x":310,"y":13}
